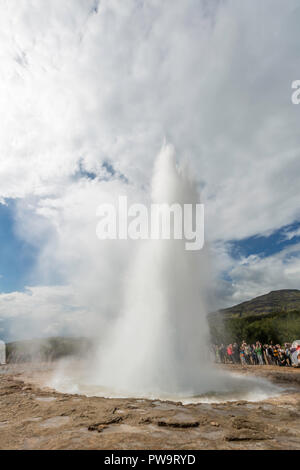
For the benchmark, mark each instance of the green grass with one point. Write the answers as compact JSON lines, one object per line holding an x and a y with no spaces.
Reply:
{"x":279,"y":327}
{"x":271,"y":317}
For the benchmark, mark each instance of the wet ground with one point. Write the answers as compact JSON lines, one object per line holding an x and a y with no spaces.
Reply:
{"x":34,"y":417}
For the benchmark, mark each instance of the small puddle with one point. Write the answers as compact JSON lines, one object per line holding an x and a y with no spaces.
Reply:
{"x":55,"y":422}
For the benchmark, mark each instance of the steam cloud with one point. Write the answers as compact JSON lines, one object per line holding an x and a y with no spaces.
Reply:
{"x":157,"y":344}
{"x":160,"y":341}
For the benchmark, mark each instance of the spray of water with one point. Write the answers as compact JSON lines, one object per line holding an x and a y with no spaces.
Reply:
{"x":160,"y":342}
{"x":159,"y":345}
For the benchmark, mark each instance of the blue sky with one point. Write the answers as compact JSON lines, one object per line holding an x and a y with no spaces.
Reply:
{"x":266,"y":245}
{"x":17,"y":258}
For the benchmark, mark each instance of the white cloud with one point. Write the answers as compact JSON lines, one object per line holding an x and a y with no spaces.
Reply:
{"x":290,"y":234}
{"x":111,"y":85}
{"x":85,"y":87}
{"x":256,"y":275}
{"x":42,"y":311}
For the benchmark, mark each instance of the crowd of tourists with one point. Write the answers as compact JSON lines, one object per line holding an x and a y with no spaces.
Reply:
{"x":256,"y":354}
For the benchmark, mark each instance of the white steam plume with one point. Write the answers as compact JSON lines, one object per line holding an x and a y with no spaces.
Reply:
{"x":160,"y":342}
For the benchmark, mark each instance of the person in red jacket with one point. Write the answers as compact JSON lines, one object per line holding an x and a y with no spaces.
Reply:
{"x":229,"y":353}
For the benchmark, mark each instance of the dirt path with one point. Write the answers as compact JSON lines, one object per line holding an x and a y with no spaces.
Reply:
{"x":35,"y":418}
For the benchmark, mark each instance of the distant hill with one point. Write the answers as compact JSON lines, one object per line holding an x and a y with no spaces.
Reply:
{"x":271,"y":317}
{"x":285,"y":300}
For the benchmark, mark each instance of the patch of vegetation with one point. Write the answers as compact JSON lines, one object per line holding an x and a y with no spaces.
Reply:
{"x":279,"y":327}
{"x":285,"y":300}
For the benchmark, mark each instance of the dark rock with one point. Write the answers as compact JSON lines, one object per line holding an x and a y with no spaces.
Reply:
{"x":174,"y":423}
{"x":104,"y":423}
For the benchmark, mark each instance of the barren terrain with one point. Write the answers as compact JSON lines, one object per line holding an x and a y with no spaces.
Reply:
{"x":34,"y":417}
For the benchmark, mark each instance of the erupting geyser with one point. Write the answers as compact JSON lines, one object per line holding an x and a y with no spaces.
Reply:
{"x":159,"y":345}
{"x":160,"y":342}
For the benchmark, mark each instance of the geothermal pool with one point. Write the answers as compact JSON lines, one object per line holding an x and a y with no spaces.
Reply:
{"x":158,"y":345}
{"x":34,"y":416}
{"x":231,"y":387}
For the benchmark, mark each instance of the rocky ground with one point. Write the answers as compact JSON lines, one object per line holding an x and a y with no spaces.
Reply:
{"x":33,"y":417}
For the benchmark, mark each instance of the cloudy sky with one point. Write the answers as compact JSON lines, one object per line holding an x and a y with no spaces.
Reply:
{"x":89,"y":91}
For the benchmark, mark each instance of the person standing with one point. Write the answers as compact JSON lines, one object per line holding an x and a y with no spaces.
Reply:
{"x":270,"y":354}
{"x":258,"y":350}
{"x":265,"y":354}
{"x":276,"y":354}
{"x":247,"y":350}
{"x":230,"y":353}
{"x":242,"y":354}
{"x":236,"y":354}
